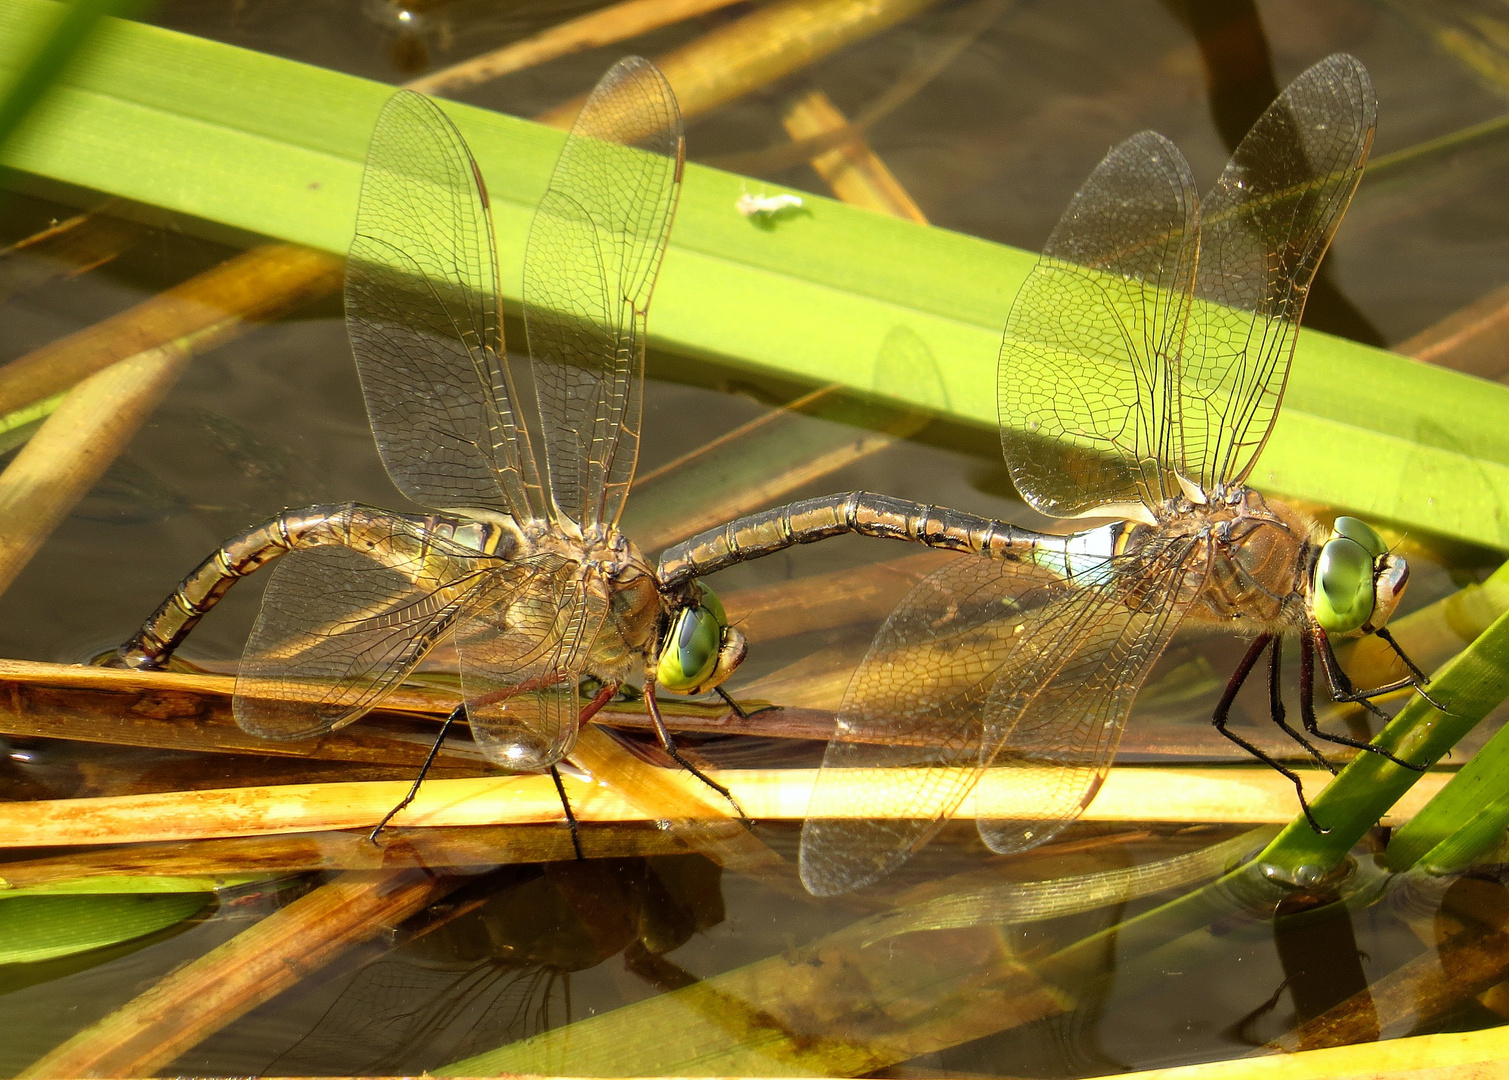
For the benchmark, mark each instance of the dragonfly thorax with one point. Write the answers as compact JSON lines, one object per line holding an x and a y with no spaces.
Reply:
{"x":1259,"y":556}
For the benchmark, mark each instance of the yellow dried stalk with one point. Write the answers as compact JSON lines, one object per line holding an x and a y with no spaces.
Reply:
{"x":66,"y":249}
{"x":253,"y":287}
{"x":1234,"y":795}
{"x":768,"y":44}
{"x":853,"y":170}
{"x":615,"y":23}
{"x":1466,"y":1055}
{"x":74,"y":447}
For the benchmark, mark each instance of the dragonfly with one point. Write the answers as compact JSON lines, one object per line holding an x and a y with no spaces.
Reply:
{"x":1141,"y":371}
{"x":521,"y":563}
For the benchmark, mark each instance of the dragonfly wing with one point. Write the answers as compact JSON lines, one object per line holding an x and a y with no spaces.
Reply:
{"x":1265,"y":226}
{"x":594,"y":251}
{"x":1060,"y":701}
{"x":907,"y":746}
{"x":522,"y":657}
{"x":1088,"y":414}
{"x":342,"y":623}
{"x":422,"y":310}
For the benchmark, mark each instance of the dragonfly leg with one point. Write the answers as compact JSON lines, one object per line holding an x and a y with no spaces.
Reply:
{"x":1341,"y":686}
{"x":668,"y":744}
{"x":1222,"y":716}
{"x":1276,"y":704}
{"x":560,"y":789}
{"x":455,"y":714}
{"x":1420,"y":680}
{"x":731,"y":703}
{"x":1316,"y":642}
{"x":593,"y":707}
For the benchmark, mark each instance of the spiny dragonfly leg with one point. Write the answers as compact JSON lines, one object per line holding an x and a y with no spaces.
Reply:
{"x":1420,"y":680}
{"x":1276,"y":704}
{"x":1313,"y":643}
{"x":591,"y":709}
{"x":560,"y":789}
{"x":455,"y":714}
{"x":732,"y":704}
{"x":1222,"y":716}
{"x":668,"y":744}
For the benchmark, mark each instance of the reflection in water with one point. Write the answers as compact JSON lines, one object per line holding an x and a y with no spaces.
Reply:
{"x":496,"y":964}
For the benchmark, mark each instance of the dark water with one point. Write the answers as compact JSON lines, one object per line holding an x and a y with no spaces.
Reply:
{"x":994,"y":146}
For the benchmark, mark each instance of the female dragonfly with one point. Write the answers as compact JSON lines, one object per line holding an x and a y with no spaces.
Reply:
{"x":1140,"y":374}
{"x":522,"y":565}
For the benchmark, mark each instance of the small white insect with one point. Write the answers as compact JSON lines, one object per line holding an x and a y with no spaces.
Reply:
{"x":766,"y":206}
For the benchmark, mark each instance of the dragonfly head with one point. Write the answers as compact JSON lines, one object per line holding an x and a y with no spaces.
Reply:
{"x":1357,"y":581}
{"x":700,"y":649}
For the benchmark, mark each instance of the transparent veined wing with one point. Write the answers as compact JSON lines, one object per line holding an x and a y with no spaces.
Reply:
{"x":1264,"y":228}
{"x":906,"y":748}
{"x":1086,"y":392}
{"x":594,"y":251}
{"x":988,"y":674}
{"x":344,"y":620}
{"x":422,"y":310}
{"x":522,"y":659}
{"x":1060,"y":701}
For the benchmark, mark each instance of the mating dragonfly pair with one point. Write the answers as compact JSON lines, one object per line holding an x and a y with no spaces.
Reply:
{"x":1141,"y":372}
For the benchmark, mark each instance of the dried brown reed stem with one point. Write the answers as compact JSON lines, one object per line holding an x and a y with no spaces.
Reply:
{"x":180,"y":1010}
{"x":479,"y":846}
{"x":768,"y":44}
{"x":1474,"y":339}
{"x":66,"y":249}
{"x":186,"y":711}
{"x":618,"y":22}
{"x":213,"y":307}
{"x":128,"y":364}
{"x":74,"y":447}
{"x":853,"y":170}
{"x":698,"y":816}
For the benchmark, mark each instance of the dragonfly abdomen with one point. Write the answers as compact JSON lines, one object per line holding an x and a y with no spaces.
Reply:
{"x":861,"y":512}
{"x":349,"y":524}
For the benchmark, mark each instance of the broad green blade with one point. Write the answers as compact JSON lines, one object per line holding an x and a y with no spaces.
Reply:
{"x":134,"y":884}
{"x":266,"y":145}
{"x":36,"y":928}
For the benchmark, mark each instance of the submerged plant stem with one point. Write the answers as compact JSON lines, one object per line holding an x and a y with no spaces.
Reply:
{"x":767,"y":44}
{"x":612,"y":24}
{"x":196,"y":1000}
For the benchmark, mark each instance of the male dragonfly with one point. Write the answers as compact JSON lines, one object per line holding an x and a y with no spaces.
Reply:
{"x":1141,"y":371}
{"x":522,"y":565}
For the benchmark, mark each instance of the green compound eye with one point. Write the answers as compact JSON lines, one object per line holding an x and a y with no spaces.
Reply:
{"x":1344,"y":592}
{"x":711,"y":603}
{"x":1360,"y":531}
{"x":691,"y":649}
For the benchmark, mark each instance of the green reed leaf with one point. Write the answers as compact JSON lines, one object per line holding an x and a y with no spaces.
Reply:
{"x":248,"y":143}
{"x":36,"y":928}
